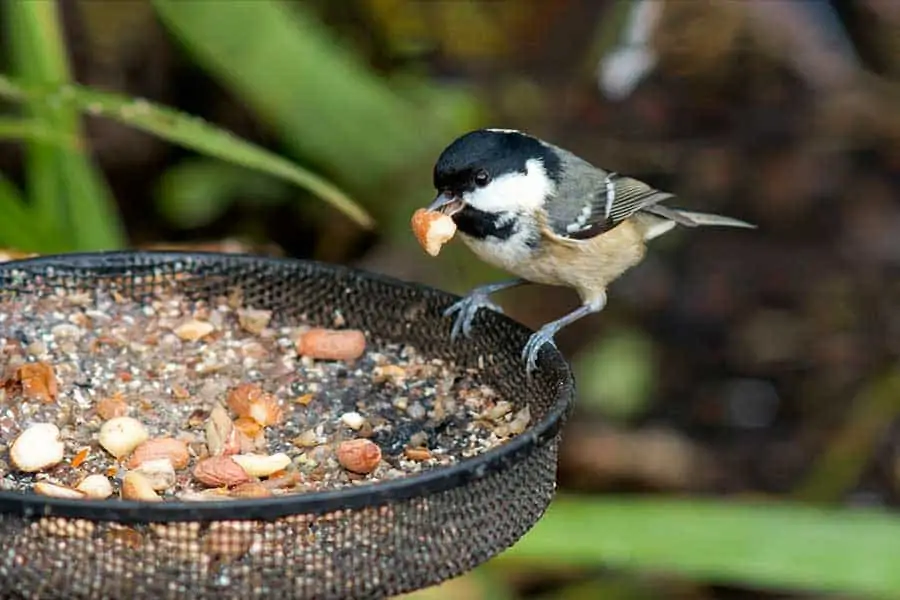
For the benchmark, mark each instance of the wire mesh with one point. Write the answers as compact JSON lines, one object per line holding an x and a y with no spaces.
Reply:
{"x":369,"y":541}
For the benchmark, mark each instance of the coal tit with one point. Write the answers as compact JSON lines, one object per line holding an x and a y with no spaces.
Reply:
{"x":548,"y":217}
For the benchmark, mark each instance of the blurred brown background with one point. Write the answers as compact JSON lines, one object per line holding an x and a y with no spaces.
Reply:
{"x":730,"y":362}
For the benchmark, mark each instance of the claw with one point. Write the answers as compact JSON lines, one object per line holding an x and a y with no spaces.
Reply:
{"x":477,"y":298}
{"x":533,"y":347}
{"x":467,"y":308}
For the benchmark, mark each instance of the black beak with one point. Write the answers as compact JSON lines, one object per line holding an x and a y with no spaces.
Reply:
{"x":447,"y":203}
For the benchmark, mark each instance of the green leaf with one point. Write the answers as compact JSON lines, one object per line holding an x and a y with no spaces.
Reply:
{"x":33,"y":130}
{"x":311,"y":89}
{"x":69,"y":194}
{"x":848,"y":452}
{"x":189,"y":132}
{"x":851,"y":551}
{"x":37,"y":60}
{"x":93,"y":216}
{"x":20,"y":228}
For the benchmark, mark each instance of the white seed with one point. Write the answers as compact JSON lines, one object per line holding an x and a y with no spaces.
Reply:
{"x":66,"y":331}
{"x":219,"y":431}
{"x":160,"y":473}
{"x":36,"y":348}
{"x":254,"y":320}
{"x":136,"y":486}
{"x":191,"y":331}
{"x":307,"y":439}
{"x":96,"y":486}
{"x":204,"y":496}
{"x":520,"y":422}
{"x":416,"y":411}
{"x":120,"y":435}
{"x":37,"y":448}
{"x":262,"y":465}
{"x":53,"y":490}
{"x":353,"y":420}
{"x":499,"y":410}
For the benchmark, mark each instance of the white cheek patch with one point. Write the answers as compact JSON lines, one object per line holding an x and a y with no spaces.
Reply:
{"x":513,"y":192}
{"x":497,"y":130}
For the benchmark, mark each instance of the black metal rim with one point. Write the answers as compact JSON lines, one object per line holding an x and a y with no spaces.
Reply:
{"x":367,"y":496}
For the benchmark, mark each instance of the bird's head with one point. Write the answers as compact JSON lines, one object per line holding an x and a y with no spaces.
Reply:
{"x":488,"y":176}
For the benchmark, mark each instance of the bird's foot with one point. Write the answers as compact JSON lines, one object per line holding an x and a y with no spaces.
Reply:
{"x":534,"y":345}
{"x":545,"y":334}
{"x":466,"y":309}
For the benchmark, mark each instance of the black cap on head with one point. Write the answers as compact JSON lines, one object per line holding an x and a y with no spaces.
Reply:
{"x":494,"y":152}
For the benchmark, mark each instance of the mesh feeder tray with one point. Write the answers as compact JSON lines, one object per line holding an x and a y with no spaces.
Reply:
{"x":457,"y":481}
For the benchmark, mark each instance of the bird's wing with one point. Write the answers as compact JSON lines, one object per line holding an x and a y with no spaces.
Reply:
{"x":606,"y":205}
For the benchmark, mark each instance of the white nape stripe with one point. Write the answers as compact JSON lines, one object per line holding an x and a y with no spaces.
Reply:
{"x":610,"y":193}
{"x":498,"y":130}
{"x":585,"y":214}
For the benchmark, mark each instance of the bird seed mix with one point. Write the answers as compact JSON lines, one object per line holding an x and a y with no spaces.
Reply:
{"x":171,"y":399}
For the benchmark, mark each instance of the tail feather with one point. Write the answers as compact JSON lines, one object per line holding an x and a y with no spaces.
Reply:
{"x":664,"y":219}
{"x":710,"y":219}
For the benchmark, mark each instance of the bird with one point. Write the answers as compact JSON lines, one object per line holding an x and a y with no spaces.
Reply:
{"x":547,"y":216}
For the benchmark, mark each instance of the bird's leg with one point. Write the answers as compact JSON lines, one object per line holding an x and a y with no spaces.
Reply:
{"x":546,"y":333}
{"x":477,"y":298}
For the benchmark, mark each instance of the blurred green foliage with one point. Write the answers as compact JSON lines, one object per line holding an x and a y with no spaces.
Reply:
{"x":69,"y":205}
{"x":324,"y":104}
{"x":375,"y":137}
{"x":197,"y":191}
{"x":762,"y":544}
{"x":616,"y":374}
{"x":304,"y":85}
{"x":180,"y":129}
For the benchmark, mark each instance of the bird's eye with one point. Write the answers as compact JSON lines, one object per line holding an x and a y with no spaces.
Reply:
{"x":482,"y":178}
